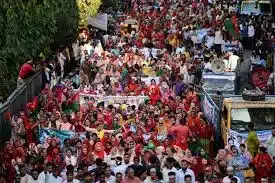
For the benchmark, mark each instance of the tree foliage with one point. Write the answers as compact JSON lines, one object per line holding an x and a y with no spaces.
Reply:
{"x":114,"y":4}
{"x":87,"y":8}
{"x":29,"y":27}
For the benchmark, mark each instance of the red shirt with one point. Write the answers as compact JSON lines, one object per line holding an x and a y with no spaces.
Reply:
{"x":25,"y":71}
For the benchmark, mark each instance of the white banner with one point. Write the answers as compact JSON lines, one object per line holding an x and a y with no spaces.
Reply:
{"x":111,"y":100}
{"x":236,"y":138}
{"x":100,"y":21}
{"x":147,"y":80}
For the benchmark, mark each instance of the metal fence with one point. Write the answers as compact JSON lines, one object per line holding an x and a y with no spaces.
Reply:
{"x":19,"y":98}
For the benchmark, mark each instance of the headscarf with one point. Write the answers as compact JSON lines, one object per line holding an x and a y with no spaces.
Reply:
{"x":99,"y":150}
{"x":86,"y":158}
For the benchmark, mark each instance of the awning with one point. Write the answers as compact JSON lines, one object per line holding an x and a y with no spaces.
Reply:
{"x":99,"y":21}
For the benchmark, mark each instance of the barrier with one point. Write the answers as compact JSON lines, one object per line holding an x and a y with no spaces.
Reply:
{"x":17,"y":101}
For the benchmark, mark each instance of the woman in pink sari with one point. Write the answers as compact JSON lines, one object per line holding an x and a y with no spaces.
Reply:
{"x":165,"y":91}
{"x":154,"y":92}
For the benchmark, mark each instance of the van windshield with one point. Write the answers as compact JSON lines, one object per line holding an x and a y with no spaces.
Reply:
{"x":263,"y":119}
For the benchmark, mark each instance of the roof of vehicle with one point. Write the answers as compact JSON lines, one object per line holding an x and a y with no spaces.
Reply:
{"x":240,"y":103}
{"x":254,"y":1}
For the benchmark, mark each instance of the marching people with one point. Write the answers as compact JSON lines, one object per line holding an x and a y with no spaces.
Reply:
{"x":141,"y":118}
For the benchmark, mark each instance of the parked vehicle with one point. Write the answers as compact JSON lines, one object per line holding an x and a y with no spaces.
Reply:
{"x":256,"y":7}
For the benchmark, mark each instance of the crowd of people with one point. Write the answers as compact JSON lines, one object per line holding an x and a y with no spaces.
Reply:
{"x":158,"y":50}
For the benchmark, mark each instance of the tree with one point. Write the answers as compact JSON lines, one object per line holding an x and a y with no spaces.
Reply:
{"x":87,"y":8}
{"x":29,"y":27}
{"x":114,"y":4}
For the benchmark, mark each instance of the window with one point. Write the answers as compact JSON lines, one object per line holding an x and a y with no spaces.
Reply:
{"x":263,"y":119}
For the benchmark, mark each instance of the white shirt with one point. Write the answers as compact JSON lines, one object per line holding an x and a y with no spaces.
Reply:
{"x":181,"y":175}
{"x":271,"y":146}
{"x":148,"y":180}
{"x":208,"y":66}
{"x":120,"y":168}
{"x":42,"y":177}
{"x":271,"y":79}
{"x":146,"y":52}
{"x":232,"y":63}
{"x":165,"y":172}
{"x":111,"y":179}
{"x":74,"y":181}
{"x":194,"y":38}
{"x":180,"y":50}
{"x":24,"y":179}
{"x":228,"y":180}
{"x":61,"y":59}
{"x":63,"y":175}
{"x":89,"y":48}
{"x":31,"y":180}
{"x":183,"y":69}
{"x":251,"y":31}
{"x":71,"y":161}
{"x":218,"y":37}
{"x":209,"y":41}
{"x":50,"y":178}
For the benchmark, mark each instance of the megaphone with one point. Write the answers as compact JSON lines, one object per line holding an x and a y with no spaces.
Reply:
{"x":218,"y":66}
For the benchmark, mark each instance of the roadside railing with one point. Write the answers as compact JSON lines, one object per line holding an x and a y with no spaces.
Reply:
{"x":17,"y":101}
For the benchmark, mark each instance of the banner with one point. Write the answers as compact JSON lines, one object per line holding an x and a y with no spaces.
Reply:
{"x":236,"y":138}
{"x":100,"y":21}
{"x":111,"y":100}
{"x":44,"y":133}
{"x":248,"y":8}
{"x":210,"y":112}
{"x":147,"y":80}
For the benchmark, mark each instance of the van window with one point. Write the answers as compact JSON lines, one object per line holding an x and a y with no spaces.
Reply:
{"x":263,"y":119}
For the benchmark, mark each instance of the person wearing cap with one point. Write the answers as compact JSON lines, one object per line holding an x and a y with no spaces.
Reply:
{"x":230,"y":175}
{"x":181,"y":173}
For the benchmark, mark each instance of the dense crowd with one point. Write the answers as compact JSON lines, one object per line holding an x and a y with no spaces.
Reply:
{"x":157,"y":51}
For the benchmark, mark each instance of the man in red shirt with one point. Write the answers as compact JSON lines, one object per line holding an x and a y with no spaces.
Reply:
{"x":25,"y":72}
